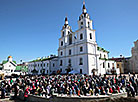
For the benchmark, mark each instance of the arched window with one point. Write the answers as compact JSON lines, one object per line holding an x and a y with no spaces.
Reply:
{"x":100,"y":55}
{"x":108,"y":65}
{"x":63,"y":34}
{"x":60,"y":62}
{"x":61,"y":43}
{"x":69,"y":51}
{"x":82,"y":24}
{"x":80,"y":71}
{"x":81,"y":36}
{"x":53,"y":65}
{"x":61,"y":53}
{"x":90,"y":35}
{"x":88,"y":24}
{"x":81,"y":49}
{"x":104,"y":56}
{"x":81,"y":61}
{"x":103,"y":65}
{"x":70,"y":39}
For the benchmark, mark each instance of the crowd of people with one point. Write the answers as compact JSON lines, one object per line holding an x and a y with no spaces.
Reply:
{"x":69,"y":85}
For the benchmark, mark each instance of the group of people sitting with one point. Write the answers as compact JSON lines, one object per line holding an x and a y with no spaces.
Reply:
{"x":69,"y":85}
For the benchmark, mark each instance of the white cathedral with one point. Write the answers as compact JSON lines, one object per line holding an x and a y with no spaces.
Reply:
{"x":78,"y":51}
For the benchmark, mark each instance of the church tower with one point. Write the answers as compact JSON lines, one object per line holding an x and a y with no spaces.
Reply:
{"x":65,"y":40}
{"x":86,"y":35}
{"x":66,"y":30}
{"x":85,"y":23}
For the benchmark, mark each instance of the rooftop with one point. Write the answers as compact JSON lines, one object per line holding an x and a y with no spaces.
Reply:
{"x":102,"y":49}
{"x":44,"y":59}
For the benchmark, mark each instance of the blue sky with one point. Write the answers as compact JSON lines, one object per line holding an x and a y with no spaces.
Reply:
{"x":31,"y":28}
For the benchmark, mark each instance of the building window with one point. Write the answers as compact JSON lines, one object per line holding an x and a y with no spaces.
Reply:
{"x":81,"y":49}
{"x":80,"y":71}
{"x":90,"y":35}
{"x":69,"y":62}
{"x":61,"y":53}
{"x":100,"y":55}
{"x":44,"y":64}
{"x":108,"y":65}
{"x":103,"y":65}
{"x":81,"y":61}
{"x":117,"y":65}
{"x":81,"y":36}
{"x":61,"y":43}
{"x":47,"y":71}
{"x":53,"y":65}
{"x":60,"y":70}
{"x":68,"y":32}
{"x":69,"y":51}
{"x":60,"y":62}
{"x":70,"y":39}
{"x":88,"y":24}
{"x":81,"y":24}
{"x":104,"y":56}
{"x":47,"y":64}
{"x":63,"y":34}
{"x":41,"y":65}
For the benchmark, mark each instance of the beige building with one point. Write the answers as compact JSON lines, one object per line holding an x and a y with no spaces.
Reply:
{"x":122,"y":63}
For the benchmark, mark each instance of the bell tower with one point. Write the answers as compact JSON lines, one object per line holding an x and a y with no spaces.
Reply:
{"x":66,"y":30}
{"x":84,"y":19}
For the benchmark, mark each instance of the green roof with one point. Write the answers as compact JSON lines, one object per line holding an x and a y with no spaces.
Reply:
{"x":43,"y":59}
{"x":3,"y":62}
{"x":18,"y":67}
{"x":21,"y":68}
{"x":102,"y":49}
{"x":14,"y":62}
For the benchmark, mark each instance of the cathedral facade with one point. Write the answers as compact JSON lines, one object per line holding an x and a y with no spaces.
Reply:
{"x":78,"y":51}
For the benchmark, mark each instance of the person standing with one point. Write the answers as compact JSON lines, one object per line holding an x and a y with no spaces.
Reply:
{"x":26,"y":93}
{"x":3,"y":90}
